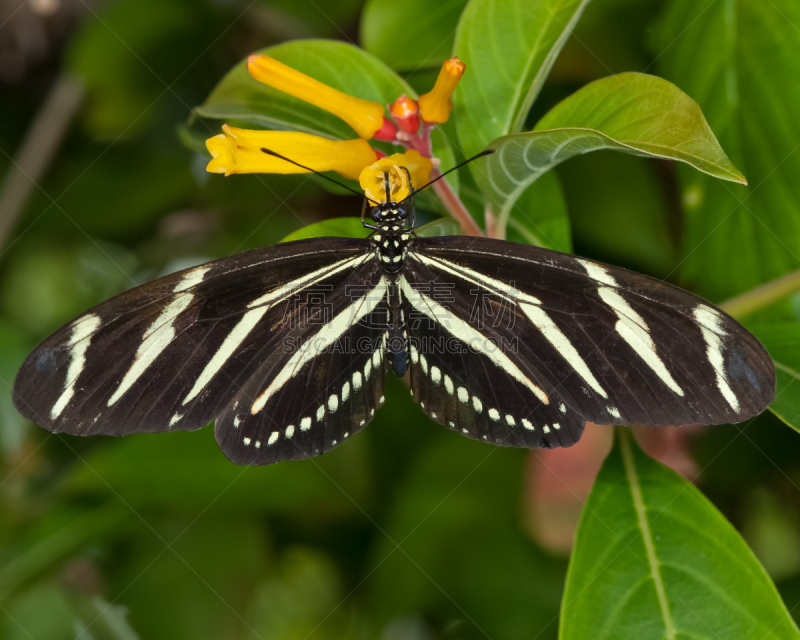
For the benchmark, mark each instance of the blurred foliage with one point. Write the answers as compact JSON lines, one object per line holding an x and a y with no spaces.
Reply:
{"x":747,"y":86}
{"x":408,"y":532}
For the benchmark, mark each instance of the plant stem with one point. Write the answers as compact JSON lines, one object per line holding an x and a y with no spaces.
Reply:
{"x":493,"y":229}
{"x":763,"y":296}
{"x":455,"y":206}
{"x":38,"y":148}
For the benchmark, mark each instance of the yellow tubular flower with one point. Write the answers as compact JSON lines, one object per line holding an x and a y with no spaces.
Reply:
{"x":366,"y":117}
{"x":372,"y":178}
{"x":436,"y":105}
{"x":239,"y":151}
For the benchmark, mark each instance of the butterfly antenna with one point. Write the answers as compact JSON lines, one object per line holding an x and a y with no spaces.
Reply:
{"x":458,"y":166}
{"x":269,"y":152}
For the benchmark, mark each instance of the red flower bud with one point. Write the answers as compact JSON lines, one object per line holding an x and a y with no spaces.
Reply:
{"x":387,"y":131}
{"x":405,"y":112}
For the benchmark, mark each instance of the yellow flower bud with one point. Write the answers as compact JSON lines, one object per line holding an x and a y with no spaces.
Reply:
{"x":373,"y":183}
{"x":436,"y":105}
{"x":239,"y":151}
{"x":366,"y":117}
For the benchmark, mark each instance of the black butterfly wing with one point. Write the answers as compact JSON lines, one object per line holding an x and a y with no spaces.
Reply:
{"x":609,"y":345}
{"x":299,"y":404}
{"x":177,"y":352}
{"x":468,"y":370}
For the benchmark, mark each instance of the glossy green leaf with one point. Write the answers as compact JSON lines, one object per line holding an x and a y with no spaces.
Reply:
{"x":631,"y":112}
{"x":654,"y":559}
{"x":509,"y":47}
{"x":740,"y":61}
{"x":349,"y":227}
{"x":782,"y":340}
{"x":412,"y":34}
{"x":340,"y":65}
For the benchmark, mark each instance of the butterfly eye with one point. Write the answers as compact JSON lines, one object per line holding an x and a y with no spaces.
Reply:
{"x":376,"y":214}
{"x":403,"y":213}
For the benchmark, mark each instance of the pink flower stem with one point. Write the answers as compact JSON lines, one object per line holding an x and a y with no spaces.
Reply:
{"x":453,"y":204}
{"x":455,"y":207}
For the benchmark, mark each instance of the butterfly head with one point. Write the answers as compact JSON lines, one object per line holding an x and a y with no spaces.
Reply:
{"x":391,"y":217}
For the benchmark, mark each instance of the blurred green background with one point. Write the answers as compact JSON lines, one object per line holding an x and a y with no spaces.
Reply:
{"x":409,"y":531}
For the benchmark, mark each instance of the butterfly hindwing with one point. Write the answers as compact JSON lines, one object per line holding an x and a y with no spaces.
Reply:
{"x":466,"y":391}
{"x":298,"y":406}
{"x":467,"y":372}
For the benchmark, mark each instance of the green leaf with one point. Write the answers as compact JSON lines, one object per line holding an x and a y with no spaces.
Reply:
{"x":441,"y":227}
{"x":740,"y":61}
{"x":337,"y":64}
{"x":782,"y":340}
{"x":654,"y":559}
{"x":631,"y":112}
{"x":349,"y":227}
{"x":509,"y":47}
{"x":599,"y":208}
{"x":412,"y":34}
{"x":539,"y":216}
{"x":442,"y":149}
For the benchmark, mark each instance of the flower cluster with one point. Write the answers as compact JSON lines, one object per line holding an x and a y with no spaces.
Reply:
{"x":409,"y":125}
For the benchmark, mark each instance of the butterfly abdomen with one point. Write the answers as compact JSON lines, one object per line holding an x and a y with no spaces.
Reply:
{"x":397,"y":335}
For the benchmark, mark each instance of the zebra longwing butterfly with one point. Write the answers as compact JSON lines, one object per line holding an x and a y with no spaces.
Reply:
{"x":286,"y":347}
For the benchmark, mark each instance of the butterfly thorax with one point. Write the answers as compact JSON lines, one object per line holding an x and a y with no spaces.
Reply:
{"x":392,"y":235}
